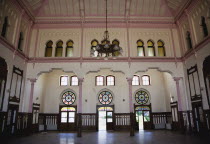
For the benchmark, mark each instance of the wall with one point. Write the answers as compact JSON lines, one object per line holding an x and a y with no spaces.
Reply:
{"x":48,"y":90}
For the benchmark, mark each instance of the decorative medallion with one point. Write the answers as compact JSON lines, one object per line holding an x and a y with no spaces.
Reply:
{"x":68,"y":98}
{"x":141,"y":97}
{"x":105,"y":97}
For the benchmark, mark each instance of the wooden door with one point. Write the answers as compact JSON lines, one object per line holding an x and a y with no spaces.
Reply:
{"x":109,"y":120}
{"x":147,"y":120}
{"x":197,"y":111}
{"x":12,"y":119}
{"x":68,"y":119}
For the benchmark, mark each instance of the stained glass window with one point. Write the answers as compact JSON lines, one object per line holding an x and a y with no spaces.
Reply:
{"x":68,"y":98}
{"x":142,"y":108}
{"x":145,"y":80}
{"x":140,"y":48}
{"x":141,"y":97}
{"x":5,"y":27}
{"x":110,"y":80}
{"x":59,"y":49}
{"x":135,"y":80}
{"x":74,"y":81}
{"x":48,"y":50}
{"x":64,"y":80}
{"x":151,"y":48}
{"x":105,"y":97}
{"x":99,"y":80}
{"x":69,"y":48}
{"x":105,"y":109}
{"x":93,"y":51}
{"x":161,"y":48}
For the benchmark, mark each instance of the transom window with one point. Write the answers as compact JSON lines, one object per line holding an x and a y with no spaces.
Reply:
{"x":145,"y":80}
{"x":64,"y":80}
{"x":99,"y":80}
{"x":135,"y":80}
{"x":74,"y":81}
{"x":110,"y":80}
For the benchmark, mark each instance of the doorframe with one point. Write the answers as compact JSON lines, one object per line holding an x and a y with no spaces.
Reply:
{"x":9,"y":126}
{"x":59,"y":116}
{"x":97,"y":113}
{"x":150,"y":114}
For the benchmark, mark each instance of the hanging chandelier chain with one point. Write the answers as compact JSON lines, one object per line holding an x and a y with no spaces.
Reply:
{"x":106,"y":15}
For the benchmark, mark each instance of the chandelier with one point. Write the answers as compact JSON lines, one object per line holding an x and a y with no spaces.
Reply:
{"x":106,"y":49}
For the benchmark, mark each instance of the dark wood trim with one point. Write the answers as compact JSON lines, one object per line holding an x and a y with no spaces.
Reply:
{"x":206,"y":74}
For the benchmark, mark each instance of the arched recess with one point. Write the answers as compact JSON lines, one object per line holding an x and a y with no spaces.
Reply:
{"x":140,"y":48}
{"x":206,"y":74}
{"x":3,"y":80}
{"x":48,"y":49}
{"x":151,"y":48}
{"x":59,"y":49}
{"x":69,"y":48}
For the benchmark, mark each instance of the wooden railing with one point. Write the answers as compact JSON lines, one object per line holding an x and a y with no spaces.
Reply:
{"x":24,"y":123}
{"x":49,"y":121}
{"x":207,"y":119}
{"x":121,"y":121}
{"x":161,"y":119}
{"x":3,"y":122}
{"x":89,"y":121}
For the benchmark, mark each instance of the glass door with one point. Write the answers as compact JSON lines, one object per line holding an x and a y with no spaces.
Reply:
{"x":109,"y":120}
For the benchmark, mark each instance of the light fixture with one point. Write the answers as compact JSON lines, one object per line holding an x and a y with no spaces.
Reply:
{"x":106,"y":49}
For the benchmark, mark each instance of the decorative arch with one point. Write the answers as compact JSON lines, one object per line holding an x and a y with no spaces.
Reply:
{"x":59,"y":49}
{"x":48,"y":49}
{"x":140,"y":48}
{"x":161,"y":48}
{"x":189,"y":41}
{"x":69,"y":48}
{"x":151,"y":47}
{"x":204,"y":26}
{"x":206,"y":75}
{"x":142,"y":98}
{"x":93,"y":51}
{"x":5,"y":27}
{"x":105,"y":90}
{"x":3,"y":80}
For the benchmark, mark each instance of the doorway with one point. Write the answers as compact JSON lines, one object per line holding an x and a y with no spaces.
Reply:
{"x":143,"y":117}
{"x":105,"y":118}
{"x":68,"y":118}
{"x":12,"y":118}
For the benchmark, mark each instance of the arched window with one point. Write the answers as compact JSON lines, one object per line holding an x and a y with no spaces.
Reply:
{"x":5,"y":26}
{"x":135,"y":80}
{"x":204,"y":26}
{"x":64,"y":80}
{"x":161,"y":48}
{"x":110,"y":80}
{"x":116,"y":42}
{"x":145,"y":80}
{"x":189,"y":41}
{"x":48,"y":49}
{"x":93,"y":51}
{"x":74,"y":81}
{"x":99,"y":80}
{"x":140,"y":48}
{"x":151,"y":48}
{"x":59,"y":49}
{"x":20,"y":41}
{"x":69,"y":48}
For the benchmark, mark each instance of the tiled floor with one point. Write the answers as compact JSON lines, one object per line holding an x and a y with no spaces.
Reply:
{"x":111,"y":137}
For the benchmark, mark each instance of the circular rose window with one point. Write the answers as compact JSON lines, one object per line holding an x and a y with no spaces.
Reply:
{"x":68,"y":98}
{"x":105,"y":97}
{"x":141,"y":97}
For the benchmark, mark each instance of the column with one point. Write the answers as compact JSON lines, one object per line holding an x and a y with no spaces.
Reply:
{"x":79,"y":115}
{"x":31,"y":95}
{"x":176,"y":79}
{"x":131,"y":106}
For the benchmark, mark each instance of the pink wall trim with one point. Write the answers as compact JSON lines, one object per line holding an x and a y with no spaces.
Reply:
{"x":90,"y":59}
{"x":130,"y":94}
{"x":177,"y":79}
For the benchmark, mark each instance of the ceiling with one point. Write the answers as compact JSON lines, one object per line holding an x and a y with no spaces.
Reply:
{"x":96,"y":8}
